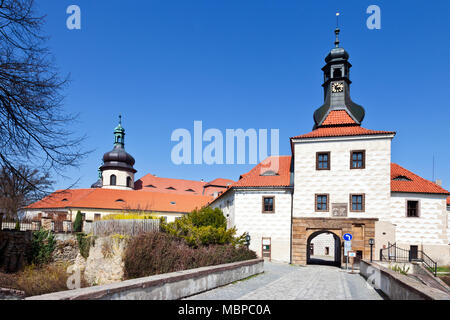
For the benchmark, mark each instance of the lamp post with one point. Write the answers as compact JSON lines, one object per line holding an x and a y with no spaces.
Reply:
{"x":247,"y":240}
{"x":371,"y":243}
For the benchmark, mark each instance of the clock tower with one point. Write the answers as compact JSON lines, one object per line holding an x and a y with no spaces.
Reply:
{"x":336,"y":87}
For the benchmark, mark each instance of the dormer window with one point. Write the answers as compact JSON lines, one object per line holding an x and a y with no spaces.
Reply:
{"x":401,"y":178}
{"x":173,"y":202}
{"x":120,"y":200}
{"x":269,"y":173}
{"x":150,"y":186}
{"x":190,"y":190}
{"x":170,"y":188}
{"x":65,"y":199}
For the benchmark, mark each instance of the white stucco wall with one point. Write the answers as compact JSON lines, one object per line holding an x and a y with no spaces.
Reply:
{"x":246,"y":215}
{"x":322,"y":241}
{"x":90,"y":213}
{"x":341,"y":181}
{"x":429,"y":228}
{"x":121,"y":179}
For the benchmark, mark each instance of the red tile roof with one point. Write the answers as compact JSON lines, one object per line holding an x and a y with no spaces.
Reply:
{"x":448,"y":201}
{"x":338,"y":117}
{"x":220,"y":182}
{"x":412,"y":183}
{"x":257,"y":178}
{"x":339,"y":131}
{"x":153,"y":183}
{"x":121,"y":200}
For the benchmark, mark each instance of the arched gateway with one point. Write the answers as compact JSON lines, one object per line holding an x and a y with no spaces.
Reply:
{"x":304,"y":230}
{"x":325,"y":256}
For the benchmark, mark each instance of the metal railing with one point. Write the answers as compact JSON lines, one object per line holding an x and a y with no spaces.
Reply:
{"x":396,"y":254}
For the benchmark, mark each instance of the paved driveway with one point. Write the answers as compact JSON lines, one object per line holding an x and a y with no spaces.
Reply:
{"x":285,"y":282}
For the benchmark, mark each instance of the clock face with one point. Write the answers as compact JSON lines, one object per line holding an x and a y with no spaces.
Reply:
{"x":337,"y":87}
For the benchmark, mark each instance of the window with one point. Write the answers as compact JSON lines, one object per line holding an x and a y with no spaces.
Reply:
{"x":337,"y":73}
{"x":268,"y":205}
{"x":129,"y":182}
{"x":358,"y":159}
{"x":401,"y":178}
{"x":269,"y":173}
{"x":322,"y":161}
{"x":412,"y":208}
{"x":170,"y":188}
{"x":97,"y":216}
{"x":357,"y":202}
{"x":112,"y":180}
{"x":321,"y":202}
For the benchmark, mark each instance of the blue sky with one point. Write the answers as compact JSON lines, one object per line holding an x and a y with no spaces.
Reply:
{"x":248,"y":64}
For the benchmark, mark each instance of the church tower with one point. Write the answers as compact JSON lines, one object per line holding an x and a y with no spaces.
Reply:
{"x":337,"y":88}
{"x":117,"y":171}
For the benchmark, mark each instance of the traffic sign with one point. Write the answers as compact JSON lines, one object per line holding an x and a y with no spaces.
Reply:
{"x":347,"y":247}
{"x":347,"y":237}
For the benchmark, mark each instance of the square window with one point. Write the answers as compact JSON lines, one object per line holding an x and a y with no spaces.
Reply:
{"x":268,"y":205}
{"x":322,"y":161}
{"x":357,"y":202}
{"x":358,"y":159}
{"x":412,"y":208}
{"x":321,"y":202}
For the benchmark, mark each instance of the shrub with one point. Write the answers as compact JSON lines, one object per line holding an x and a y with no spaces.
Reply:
{"x":84,"y":243}
{"x":42,"y":246}
{"x":36,"y":280}
{"x":156,"y":252}
{"x":202,"y":227}
{"x":208,"y":217}
{"x":78,"y":223}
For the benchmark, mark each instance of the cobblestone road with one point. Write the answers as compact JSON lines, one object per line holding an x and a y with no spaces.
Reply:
{"x":285,"y":282}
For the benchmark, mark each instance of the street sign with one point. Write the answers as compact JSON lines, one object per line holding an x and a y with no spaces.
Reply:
{"x":347,"y":247}
{"x":347,"y":237}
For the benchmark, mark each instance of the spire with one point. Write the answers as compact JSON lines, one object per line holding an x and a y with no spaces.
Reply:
{"x":336,"y":87}
{"x":337,"y":30}
{"x":119,"y":134}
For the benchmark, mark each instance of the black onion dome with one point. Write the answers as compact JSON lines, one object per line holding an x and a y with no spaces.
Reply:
{"x":337,"y":54}
{"x":118,"y":158}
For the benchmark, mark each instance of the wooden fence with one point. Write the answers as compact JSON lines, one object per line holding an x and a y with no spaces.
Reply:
{"x":124,"y":227}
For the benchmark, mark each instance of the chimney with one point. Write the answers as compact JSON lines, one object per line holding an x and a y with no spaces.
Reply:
{"x":438,"y":182}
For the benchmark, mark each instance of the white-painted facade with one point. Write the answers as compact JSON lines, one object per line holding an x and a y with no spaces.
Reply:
{"x":430,"y":231}
{"x":246,"y":214}
{"x":340,"y":181}
{"x":121,"y":179}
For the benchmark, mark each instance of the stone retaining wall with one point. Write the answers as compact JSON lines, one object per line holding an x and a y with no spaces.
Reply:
{"x":169,"y":286}
{"x":398,"y":286}
{"x":15,"y":250}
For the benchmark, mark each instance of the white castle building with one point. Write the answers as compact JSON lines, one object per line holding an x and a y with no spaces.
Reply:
{"x":339,"y":179}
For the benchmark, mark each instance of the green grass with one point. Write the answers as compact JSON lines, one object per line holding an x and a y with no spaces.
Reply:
{"x":441,"y":269}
